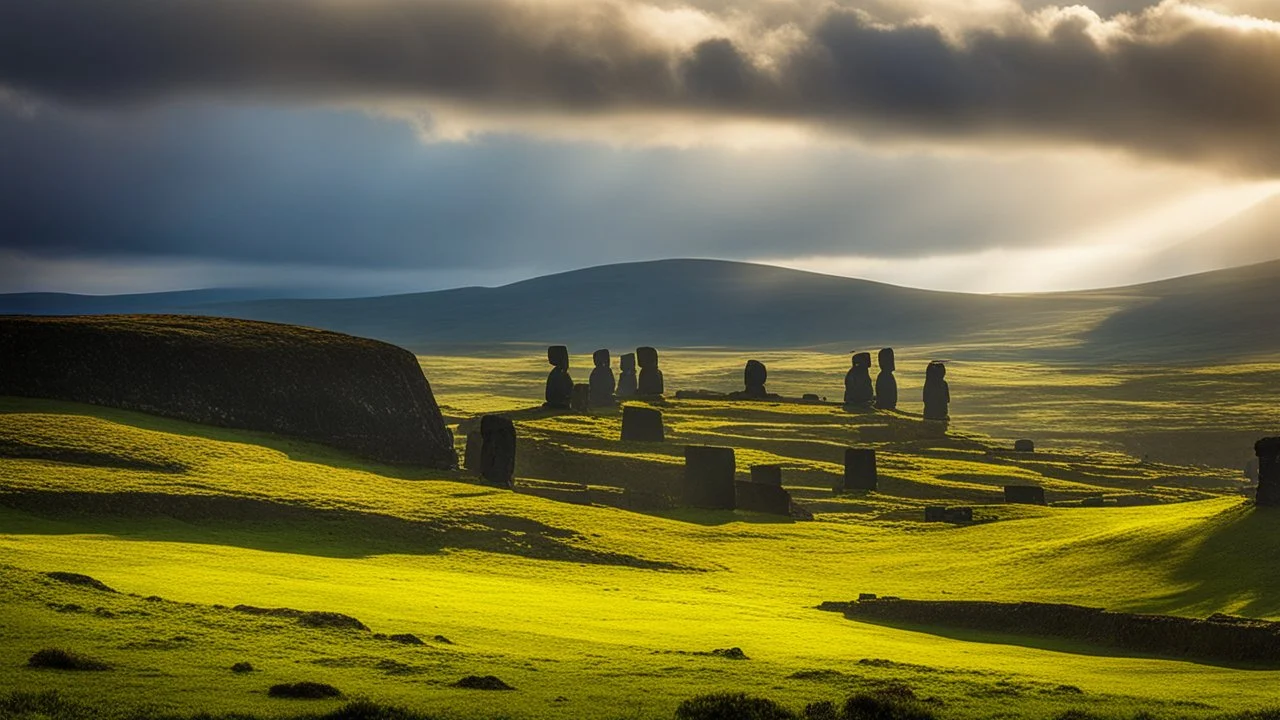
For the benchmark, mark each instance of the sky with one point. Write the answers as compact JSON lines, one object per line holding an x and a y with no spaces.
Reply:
{"x":354,"y":147}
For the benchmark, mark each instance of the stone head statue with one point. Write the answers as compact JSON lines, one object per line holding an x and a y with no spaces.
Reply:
{"x":755,"y":374}
{"x":935,"y":371}
{"x":862,"y":360}
{"x":647,"y":356}
{"x":886,"y":360}
{"x":601,"y":358}
{"x":628,"y":362}
{"x":558,"y":355}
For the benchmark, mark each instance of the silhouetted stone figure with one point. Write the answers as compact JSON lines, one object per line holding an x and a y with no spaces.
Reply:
{"x":471,"y":457}
{"x":602,"y":385}
{"x":1024,"y":445}
{"x":958,"y":515}
{"x":1268,"y":452}
{"x":886,"y":383}
{"x":559,"y":384}
{"x":498,"y":450}
{"x":1251,"y":470}
{"x":641,"y":424}
{"x":857,"y":382}
{"x":860,"y":469}
{"x":762,"y":494}
{"x":650,"y":376}
{"x":627,"y":378}
{"x":580,"y":399}
{"x":1024,"y":495}
{"x":767,"y":474}
{"x":935,"y":513}
{"x":754,"y":377}
{"x":708,"y":477}
{"x":937,"y":394}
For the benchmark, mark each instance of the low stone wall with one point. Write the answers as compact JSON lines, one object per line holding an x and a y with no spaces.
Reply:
{"x":355,"y":394}
{"x":1218,"y":637}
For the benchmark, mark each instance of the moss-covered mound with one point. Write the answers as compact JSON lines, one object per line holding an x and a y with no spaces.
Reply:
{"x":359,"y":395}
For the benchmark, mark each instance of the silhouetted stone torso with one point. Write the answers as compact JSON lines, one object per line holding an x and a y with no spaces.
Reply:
{"x":650,"y":382}
{"x":602,"y":385}
{"x":886,"y":383}
{"x":1268,"y":452}
{"x":857,"y":382}
{"x":627,"y":377}
{"x":754,"y":377}
{"x":937,"y":394}
{"x":708,"y":477}
{"x":497,"y":450}
{"x":641,"y":424}
{"x":559,"y":385}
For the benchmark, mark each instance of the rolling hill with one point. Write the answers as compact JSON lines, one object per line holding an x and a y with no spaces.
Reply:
{"x":712,"y":303}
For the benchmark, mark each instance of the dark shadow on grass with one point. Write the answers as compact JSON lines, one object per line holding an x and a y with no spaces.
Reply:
{"x":301,"y":529}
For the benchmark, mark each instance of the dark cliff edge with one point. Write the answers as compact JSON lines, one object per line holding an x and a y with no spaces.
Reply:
{"x":358,"y":395}
{"x":1218,"y":637}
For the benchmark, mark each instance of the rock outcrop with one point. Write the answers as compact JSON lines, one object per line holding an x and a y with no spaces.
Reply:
{"x":358,"y":395}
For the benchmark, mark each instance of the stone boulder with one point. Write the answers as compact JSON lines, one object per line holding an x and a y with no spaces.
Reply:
{"x":580,"y":398}
{"x":859,"y":469}
{"x":1024,"y":445}
{"x":762,"y":498}
{"x":498,"y":450}
{"x":358,"y":395}
{"x":767,"y":474}
{"x":1024,"y":495}
{"x":641,"y":424}
{"x":709,"y":477}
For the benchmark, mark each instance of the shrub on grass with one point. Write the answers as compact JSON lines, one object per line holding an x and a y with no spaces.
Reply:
{"x":482,"y":682}
{"x":886,"y":706}
{"x":58,"y":659}
{"x":78,"y":579}
{"x":304,"y":690}
{"x":242,"y":667}
{"x":821,"y":710}
{"x":732,"y":706}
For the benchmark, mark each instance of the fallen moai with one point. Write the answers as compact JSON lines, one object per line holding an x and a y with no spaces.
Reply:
{"x":1024,"y":495}
{"x":886,"y":383}
{"x":359,"y":395}
{"x":559,"y":393}
{"x":709,"y":477}
{"x":641,"y":424}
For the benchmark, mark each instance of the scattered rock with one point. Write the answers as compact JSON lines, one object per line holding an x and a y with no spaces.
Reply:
{"x":442,"y":639}
{"x":71,"y":578}
{"x":307,"y":618}
{"x":406,"y":639}
{"x":57,"y":659}
{"x":242,"y":667}
{"x":733,"y":653}
{"x":1024,"y":445}
{"x":304,"y":691}
{"x":482,"y":682}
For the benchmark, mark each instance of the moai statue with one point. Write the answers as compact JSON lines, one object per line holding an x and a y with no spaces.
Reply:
{"x":754,"y":377}
{"x":498,"y":450}
{"x":858,"y":391}
{"x":602,"y":385}
{"x":559,"y":384}
{"x":1024,"y":445}
{"x":627,"y":378}
{"x":886,"y":383}
{"x":641,"y":424}
{"x":650,"y":376}
{"x":1268,"y":452}
{"x":580,"y":399}
{"x":937,"y":394}
{"x":708,"y":477}
{"x":1024,"y":495}
{"x":859,"y":470}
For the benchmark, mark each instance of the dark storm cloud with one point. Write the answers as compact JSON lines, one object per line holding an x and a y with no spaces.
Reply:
{"x":1172,"y":81}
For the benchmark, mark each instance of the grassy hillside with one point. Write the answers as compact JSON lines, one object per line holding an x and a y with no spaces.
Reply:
{"x":592,"y":611}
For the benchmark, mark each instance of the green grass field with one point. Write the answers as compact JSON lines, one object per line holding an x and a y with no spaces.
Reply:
{"x":593,"y":611}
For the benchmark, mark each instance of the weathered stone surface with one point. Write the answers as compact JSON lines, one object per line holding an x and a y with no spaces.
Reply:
{"x":935,"y":513}
{"x":859,"y":469}
{"x":958,"y":515}
{"x":762,"y":498}
{"x":498,"y":450}
{"x":641,"y":424}
{"x":627,"y":385}
{"x":811,"y":397}
{"x":1024,"y":494}
{"x":1024,"y":445}
{"x":708,"y":477}
{"x":650,"y":382}
{"x":1251,"y":470}
{"x":754,"y":376}
{"x":471,"y":457}
{"x":1268,"y":452}
{"x":559,"y":392}
{"x":886,"y":383}
{"x":767,"y":474}
{"x":580,"y":398}
{"x":1217,"y":637}
{"x":363,"y":396}
{"x":937,"y":393}
{"x":858,"y":391}
{"x":601,"y":380}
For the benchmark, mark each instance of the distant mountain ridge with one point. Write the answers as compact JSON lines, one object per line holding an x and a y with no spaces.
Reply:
{"x":699,"y":303}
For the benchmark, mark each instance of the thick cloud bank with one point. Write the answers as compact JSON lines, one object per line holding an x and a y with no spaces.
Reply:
{"x":1172,"y":81}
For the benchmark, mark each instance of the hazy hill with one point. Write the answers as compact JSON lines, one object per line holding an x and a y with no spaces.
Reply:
{"x":1253,"y":236}
{"x":699,"y":303}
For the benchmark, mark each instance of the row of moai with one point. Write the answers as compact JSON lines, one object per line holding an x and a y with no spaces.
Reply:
{"x":602,"y":389}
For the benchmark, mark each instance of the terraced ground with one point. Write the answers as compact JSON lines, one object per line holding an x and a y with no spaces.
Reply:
{"x":600,"y":611}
